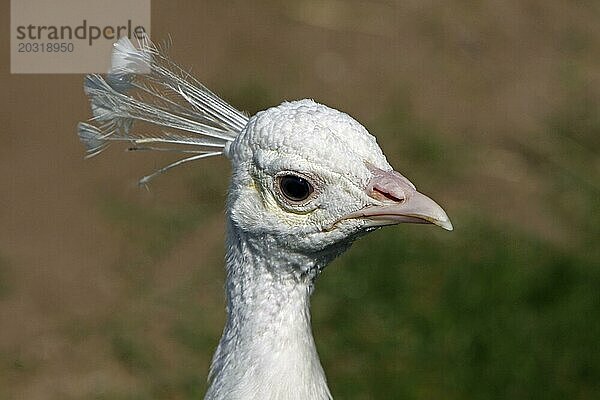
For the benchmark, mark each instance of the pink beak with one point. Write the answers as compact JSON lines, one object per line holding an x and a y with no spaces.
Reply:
{"x":400,"y":202}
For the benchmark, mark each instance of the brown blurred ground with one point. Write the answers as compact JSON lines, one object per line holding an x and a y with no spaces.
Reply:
{"x":487,"y":75}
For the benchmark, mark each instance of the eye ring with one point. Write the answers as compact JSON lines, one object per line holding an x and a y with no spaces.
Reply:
{"x":294,"y":188}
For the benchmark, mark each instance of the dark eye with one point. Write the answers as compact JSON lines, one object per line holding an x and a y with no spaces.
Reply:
{"x":295,"y":188}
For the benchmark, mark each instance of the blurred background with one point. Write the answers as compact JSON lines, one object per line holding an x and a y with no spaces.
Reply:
{"x":109,"y":291}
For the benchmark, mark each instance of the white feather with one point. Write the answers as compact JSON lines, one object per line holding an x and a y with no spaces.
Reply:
{"x":127,"y":59}
{"x":144,"y":85}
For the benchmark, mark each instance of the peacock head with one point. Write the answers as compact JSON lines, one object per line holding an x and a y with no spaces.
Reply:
{"x":305,"y":178}
{"x":313,"y":177}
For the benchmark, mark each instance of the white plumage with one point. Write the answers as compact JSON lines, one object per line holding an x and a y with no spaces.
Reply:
{"x":306,"y":181}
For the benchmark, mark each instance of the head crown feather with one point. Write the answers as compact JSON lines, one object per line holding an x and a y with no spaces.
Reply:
{"x":144,"y":85}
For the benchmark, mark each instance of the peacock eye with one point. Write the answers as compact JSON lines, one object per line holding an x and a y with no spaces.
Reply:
{"x":295,"y":188}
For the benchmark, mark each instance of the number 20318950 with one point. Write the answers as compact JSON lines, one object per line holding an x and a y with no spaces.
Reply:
{"x":35,"y":47}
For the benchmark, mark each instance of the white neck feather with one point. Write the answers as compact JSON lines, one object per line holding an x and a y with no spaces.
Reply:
{"x":267,"y":350}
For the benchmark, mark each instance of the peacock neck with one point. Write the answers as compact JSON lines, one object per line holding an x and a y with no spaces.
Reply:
{"x":267,"y":350}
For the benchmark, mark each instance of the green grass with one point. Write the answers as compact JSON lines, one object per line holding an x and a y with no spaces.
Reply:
{"x":153,"y":230}
{"x":483,"y":313}
{"x":5,"y":277}
{"x":132,"y":352}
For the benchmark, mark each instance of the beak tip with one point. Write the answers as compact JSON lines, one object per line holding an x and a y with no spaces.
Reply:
{"x":443,"y":221}
{"x":447,"y":225}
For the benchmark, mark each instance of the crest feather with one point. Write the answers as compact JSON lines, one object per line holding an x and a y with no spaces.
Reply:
{"x":144,"y":86}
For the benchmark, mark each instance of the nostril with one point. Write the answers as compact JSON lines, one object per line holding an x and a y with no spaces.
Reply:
{"x":384,"y":195}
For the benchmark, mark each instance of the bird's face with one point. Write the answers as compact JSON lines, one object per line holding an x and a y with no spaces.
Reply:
{"x":312,"y":177}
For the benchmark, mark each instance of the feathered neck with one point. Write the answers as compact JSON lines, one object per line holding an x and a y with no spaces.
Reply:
{"x":267,"y":349}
